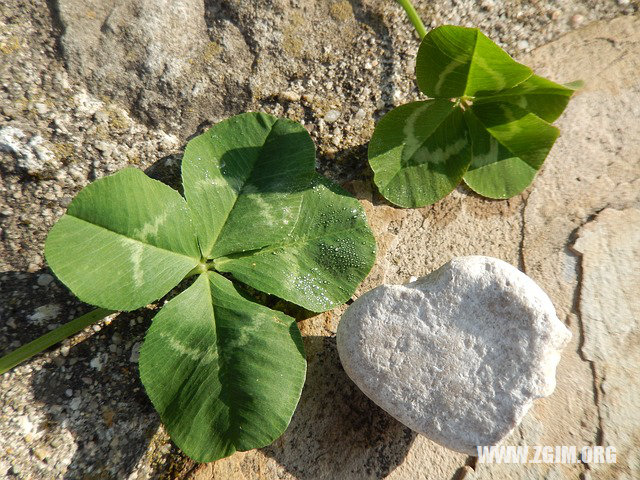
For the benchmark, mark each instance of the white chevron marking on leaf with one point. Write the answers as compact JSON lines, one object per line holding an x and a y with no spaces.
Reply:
{"x":440,"y":155}
{"x":446,"y":71}
{"x":149,"y":229}
{"x":412,"y":142}
{"x":136,"y":259}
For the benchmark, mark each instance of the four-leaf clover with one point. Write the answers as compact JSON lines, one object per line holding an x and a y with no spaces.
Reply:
{"x":223,"y":371}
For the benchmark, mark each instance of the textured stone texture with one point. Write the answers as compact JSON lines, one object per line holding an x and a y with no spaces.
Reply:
{"x":458,"y":355}
{"x":300,"y":59}
{"x":609,"y":306}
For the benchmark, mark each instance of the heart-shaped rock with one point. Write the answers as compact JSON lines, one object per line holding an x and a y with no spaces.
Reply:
{"x":458,"y":355}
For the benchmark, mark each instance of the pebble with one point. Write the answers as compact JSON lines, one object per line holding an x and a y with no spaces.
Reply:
{"x":458,"y":355}
{"x":45,"y":313}
{"x":576,"y":20}
{"x":41,"y":108}
{"x":75,"y":403}
{"x":31,"y":155}
{"x":488,"y":5}
{"x":41,"y":453}
{"x":332,"y":116}
{"x":96,"y":363}
{"x":289,"y":96}
{"x":101,"y":116}
{"x":45,"y":279}
{"x":25,"y":424}
{"x":135,"y":352}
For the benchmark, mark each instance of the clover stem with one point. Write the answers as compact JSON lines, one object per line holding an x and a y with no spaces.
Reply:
{"x":463,"y":102}
{"x":48,"y":339}
{"x":414,"y":17}
{"x":202,"y":267}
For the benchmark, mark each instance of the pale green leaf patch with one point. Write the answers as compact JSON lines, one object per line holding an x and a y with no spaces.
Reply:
{"x":489,"y":123}
{"x":540,"y":96}
{"x":246,"y":175}
{"x":224,"y":372}
{"x":509,"y":146}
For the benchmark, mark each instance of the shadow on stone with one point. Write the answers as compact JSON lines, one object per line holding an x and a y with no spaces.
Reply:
{"x":107,"y":412}
{"x":336,"y":431}
{"x":92,"y":398}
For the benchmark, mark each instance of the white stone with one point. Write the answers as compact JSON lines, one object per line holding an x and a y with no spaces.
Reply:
{"x":332,"y":116}
{"x":45,"y":313}
{"x":458,"y":355}
{"x":32,"y":156}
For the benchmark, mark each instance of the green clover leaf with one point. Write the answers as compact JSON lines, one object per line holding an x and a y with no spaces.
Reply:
{"x":488,"y":123}
{"x":224,"y":372}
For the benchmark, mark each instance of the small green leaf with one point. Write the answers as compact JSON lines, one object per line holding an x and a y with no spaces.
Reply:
{"x":456,"y":61}
{"x":223,"y":372}
{"x":320,"y":263}
{"x":509,"y":146}
{"x":246,"y":175}
{"x":125,"y":241}
{"x":506,"y":109}
{"x":419,"y":152}
{"x":538,"y":95}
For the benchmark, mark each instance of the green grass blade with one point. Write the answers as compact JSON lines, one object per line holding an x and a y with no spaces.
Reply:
{"x":49,"y":339}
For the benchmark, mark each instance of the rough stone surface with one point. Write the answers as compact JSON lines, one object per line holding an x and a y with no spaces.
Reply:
{"x":458,"y":355}
{"x":31,"y":155}
{"x":299,"y":59}
{"x":609,"y":247}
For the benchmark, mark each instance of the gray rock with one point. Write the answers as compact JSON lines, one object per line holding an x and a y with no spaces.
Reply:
{"x":609,"y":246}
{"x":44,"y":280}
{"x":158,"y":35}
{"x":135,"y":352}
{"x":152,"y":45}
{"x":458,"y":355}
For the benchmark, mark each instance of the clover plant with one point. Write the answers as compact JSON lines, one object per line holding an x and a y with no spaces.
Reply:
{"x":487,"y":122}
{"x":223,"y":371}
